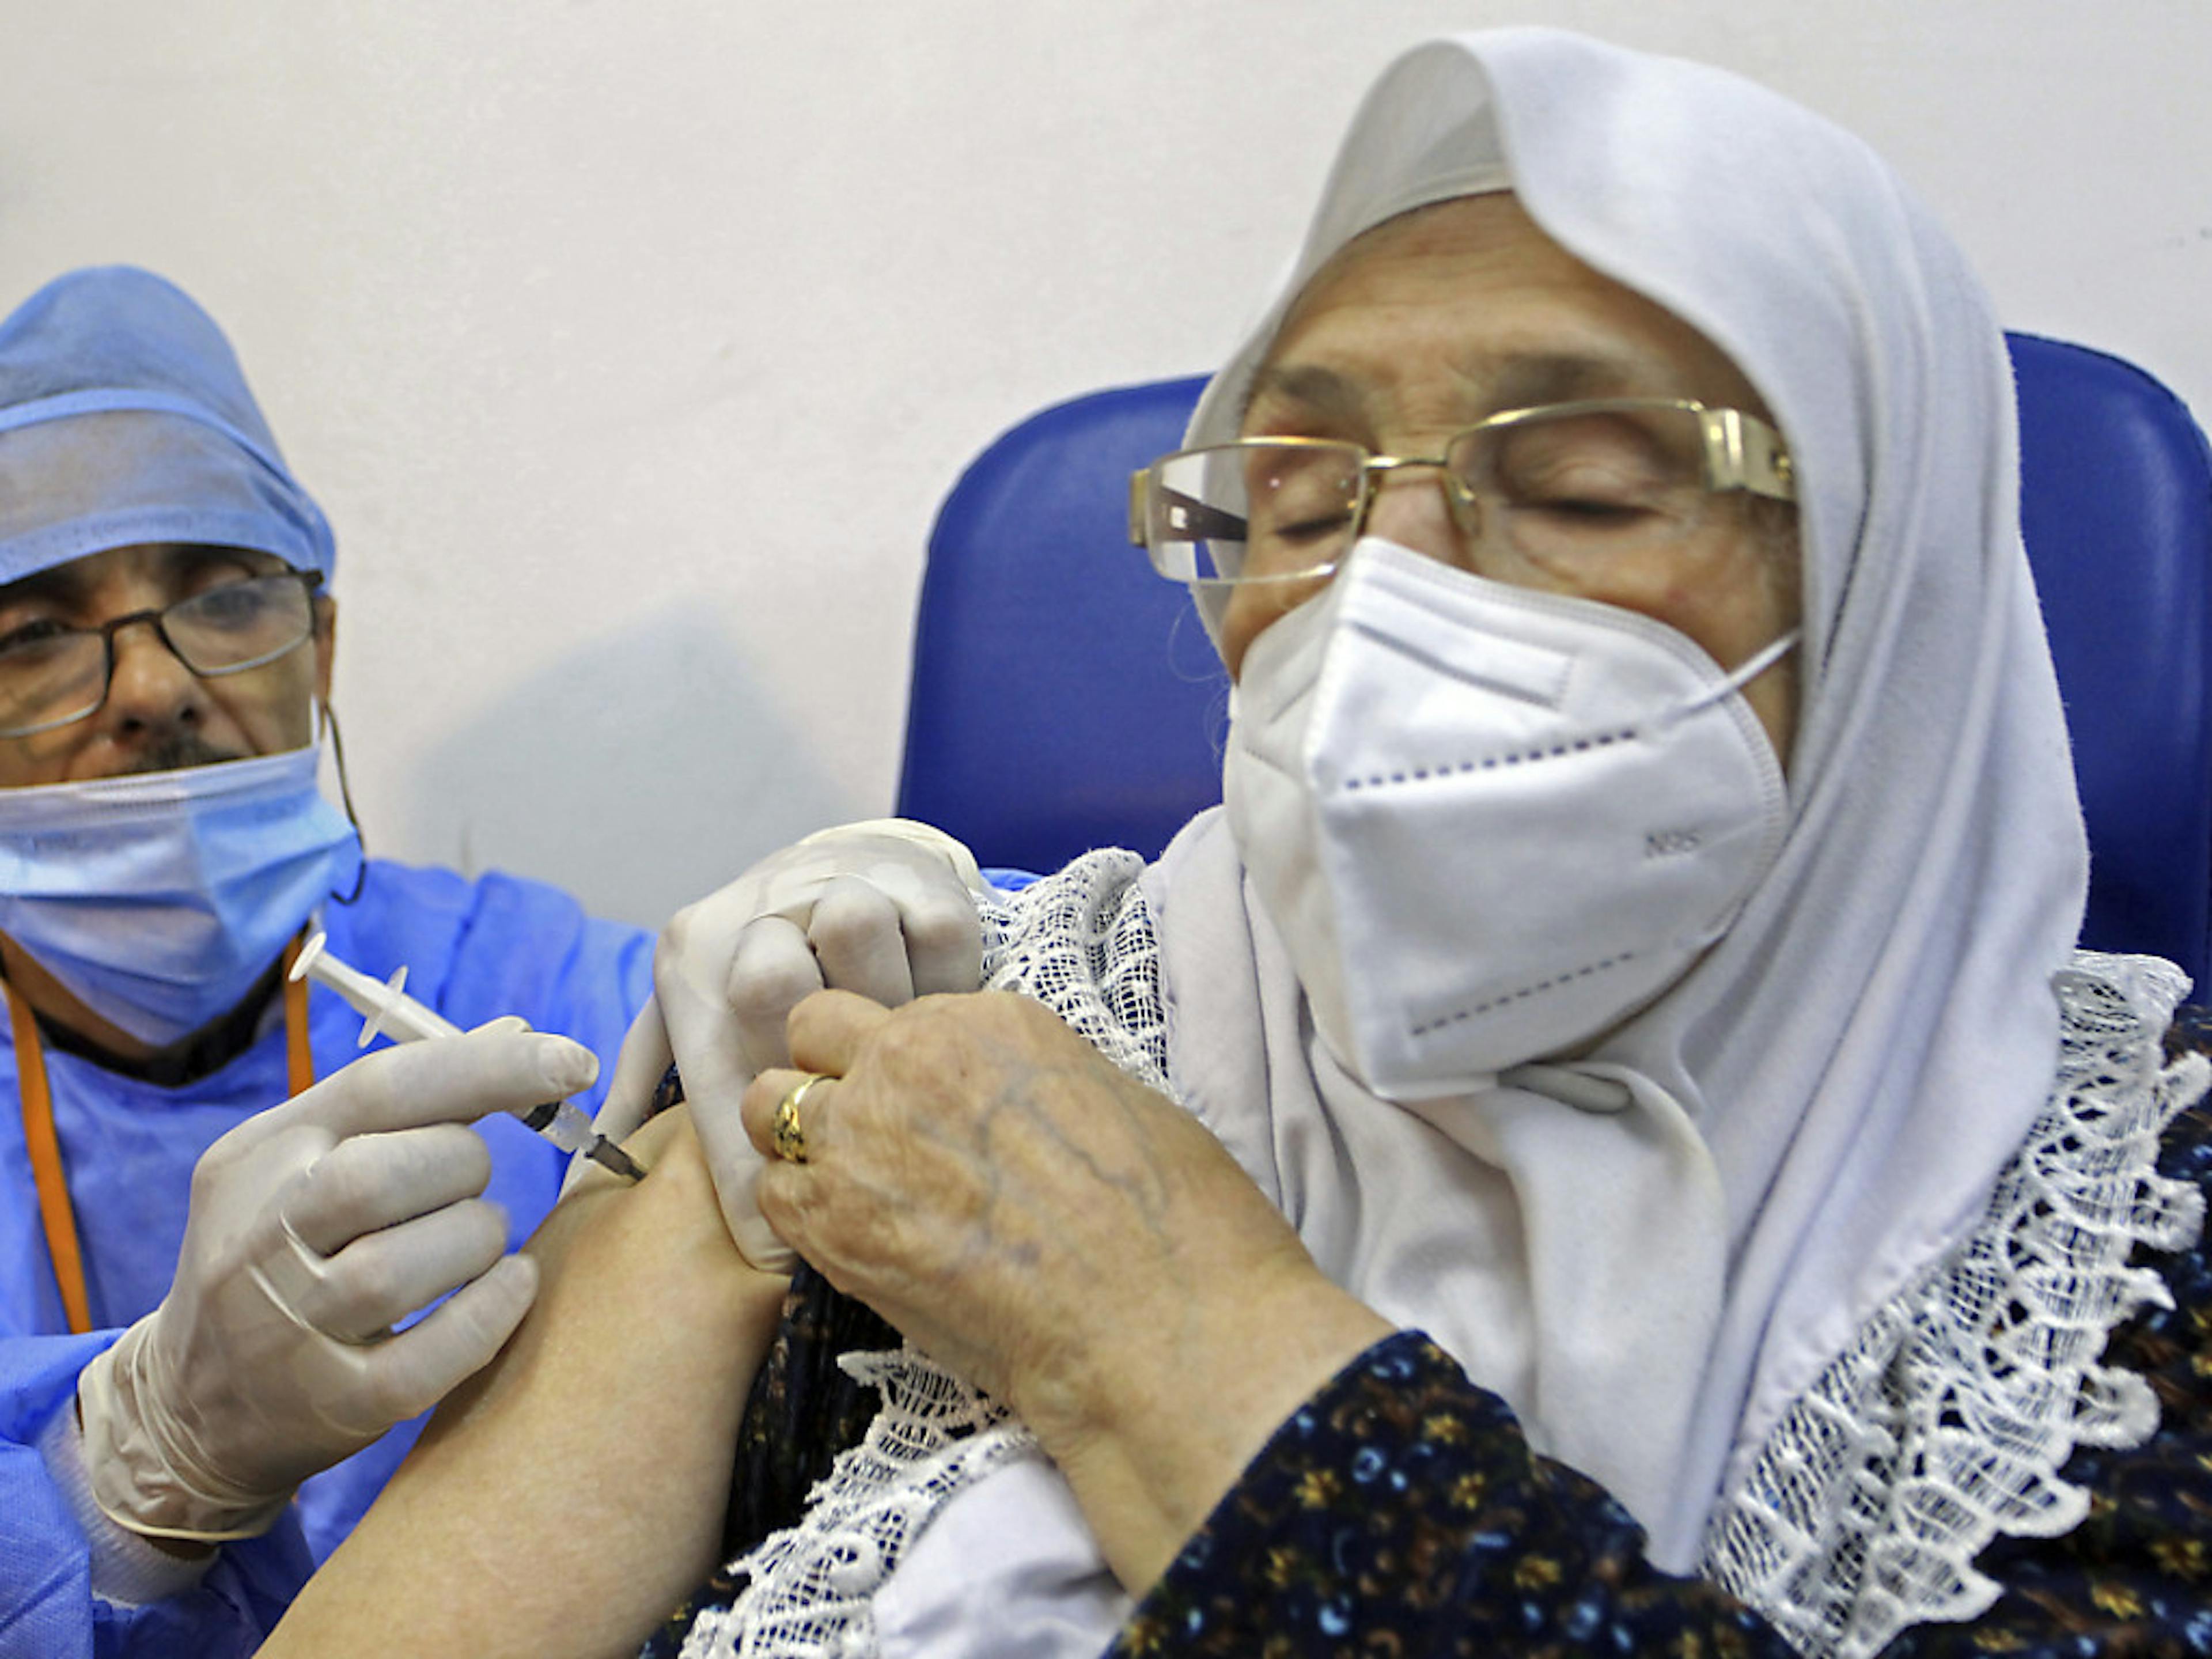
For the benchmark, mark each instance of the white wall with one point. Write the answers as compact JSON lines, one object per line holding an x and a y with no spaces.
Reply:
{"x":630,"y":343}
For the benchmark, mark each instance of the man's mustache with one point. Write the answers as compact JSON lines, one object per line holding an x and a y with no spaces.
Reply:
{"x":177,"y":751}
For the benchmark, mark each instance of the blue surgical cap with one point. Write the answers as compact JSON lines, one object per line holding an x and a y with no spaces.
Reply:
{"x":124,"y":418}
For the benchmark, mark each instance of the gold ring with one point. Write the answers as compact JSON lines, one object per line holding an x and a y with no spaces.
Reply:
{"x":788,"y":1139}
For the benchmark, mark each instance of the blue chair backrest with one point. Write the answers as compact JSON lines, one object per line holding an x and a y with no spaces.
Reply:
{"x":1064,"y":697}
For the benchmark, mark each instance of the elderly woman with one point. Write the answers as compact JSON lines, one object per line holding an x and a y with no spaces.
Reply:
{"x":1600,"y":1142}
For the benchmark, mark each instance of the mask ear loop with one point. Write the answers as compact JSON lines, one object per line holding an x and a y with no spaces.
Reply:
{"x":345,"y":793}
{"x":1737,"y":677}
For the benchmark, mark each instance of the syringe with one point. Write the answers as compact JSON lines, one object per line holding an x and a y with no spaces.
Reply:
{"x":401,"y":1017}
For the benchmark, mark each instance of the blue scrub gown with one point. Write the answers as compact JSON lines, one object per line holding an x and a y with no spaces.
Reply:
{"x":473,"y":950}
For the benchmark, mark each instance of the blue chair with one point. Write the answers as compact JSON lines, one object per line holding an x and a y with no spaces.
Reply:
{"x":1064,"y":697}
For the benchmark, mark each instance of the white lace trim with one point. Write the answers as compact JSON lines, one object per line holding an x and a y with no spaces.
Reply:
{"x":1081,"y":942}
{"x":1947,"y":1421}
{"x":812,"y":1586}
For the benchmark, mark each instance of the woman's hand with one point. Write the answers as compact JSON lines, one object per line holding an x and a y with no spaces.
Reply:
{"x":1071,"y":1240}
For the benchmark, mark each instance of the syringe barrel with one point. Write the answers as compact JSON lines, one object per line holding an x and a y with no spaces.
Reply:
{"x":562,"y":1122}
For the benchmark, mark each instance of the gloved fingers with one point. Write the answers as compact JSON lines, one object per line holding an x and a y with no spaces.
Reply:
{"x":644,"y":1061}
{"x":772,"y":969}
{"x":758,"y":1243}
{"x":238,"y":1176}
{"x":374,"y":1181}
{"x":378,"y":1280}
{"x":415,"y":1369}
{"x":446,"y":1080}
{"x":729,"y":970}
{"x":736,"y":1166}
{"x":943,"y":941}
{"x":857,"y":938}
{"x":720,"y":1125}
{"x":718,"y":1026}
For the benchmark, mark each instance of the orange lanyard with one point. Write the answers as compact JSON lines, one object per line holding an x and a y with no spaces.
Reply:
{"x":55,"y":1211}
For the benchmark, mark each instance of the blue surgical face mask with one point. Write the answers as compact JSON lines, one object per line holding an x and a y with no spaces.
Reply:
{"x":159,"y":898}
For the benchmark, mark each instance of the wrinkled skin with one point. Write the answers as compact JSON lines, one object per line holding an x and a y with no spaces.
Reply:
{"x":1071,"y":1240}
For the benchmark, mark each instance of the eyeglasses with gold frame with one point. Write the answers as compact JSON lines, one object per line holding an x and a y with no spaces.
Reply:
{"x":1591,"y":479}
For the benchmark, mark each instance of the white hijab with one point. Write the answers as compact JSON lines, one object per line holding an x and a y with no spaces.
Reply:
{"x":1824,"y":1102}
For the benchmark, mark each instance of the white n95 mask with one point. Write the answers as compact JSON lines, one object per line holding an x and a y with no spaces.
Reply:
{"x":158,"y":898}
{"x":1488,"y":822}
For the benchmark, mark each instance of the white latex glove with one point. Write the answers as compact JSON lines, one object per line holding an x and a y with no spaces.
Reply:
{"x":886,"y":907}
{"x":314,"y":1227}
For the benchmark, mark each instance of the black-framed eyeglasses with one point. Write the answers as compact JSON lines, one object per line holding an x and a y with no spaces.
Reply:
{"x":51,"y":675}
{"x":1590,"y":481}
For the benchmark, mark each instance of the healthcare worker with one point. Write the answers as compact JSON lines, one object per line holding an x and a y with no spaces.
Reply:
{"x":166,"y":638}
